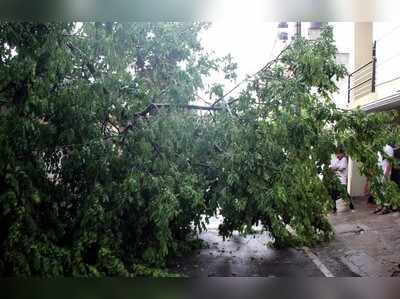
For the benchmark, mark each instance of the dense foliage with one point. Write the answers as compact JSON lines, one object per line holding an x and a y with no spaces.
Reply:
{"x":94,"y":180}
{"x":283,"y":132}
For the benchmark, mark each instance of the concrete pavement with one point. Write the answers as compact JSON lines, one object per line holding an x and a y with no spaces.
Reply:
{"x":368,"y":244}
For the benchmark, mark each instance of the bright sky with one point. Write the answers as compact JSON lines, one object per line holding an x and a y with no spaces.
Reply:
{"x":253,"y":43}
{"x":249,"y":43}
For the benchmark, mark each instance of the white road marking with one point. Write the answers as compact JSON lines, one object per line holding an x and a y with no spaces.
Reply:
{"x":318,"y":262}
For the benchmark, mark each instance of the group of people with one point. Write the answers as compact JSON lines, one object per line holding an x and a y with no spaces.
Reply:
{"x":389,"y":168}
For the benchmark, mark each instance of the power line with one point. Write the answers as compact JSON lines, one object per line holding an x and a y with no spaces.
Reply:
{"x":248,"y":77}
{"x":266,"y":66}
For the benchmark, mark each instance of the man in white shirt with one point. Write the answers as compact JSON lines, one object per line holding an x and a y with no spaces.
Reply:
{"x":339,"y":166}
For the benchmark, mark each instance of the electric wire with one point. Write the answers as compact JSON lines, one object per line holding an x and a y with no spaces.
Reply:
{"x":249,"y":77}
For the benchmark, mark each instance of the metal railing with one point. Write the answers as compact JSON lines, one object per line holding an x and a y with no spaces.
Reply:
{"x":363,"y":80}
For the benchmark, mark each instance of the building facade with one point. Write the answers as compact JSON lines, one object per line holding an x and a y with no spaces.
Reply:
{"x":374,"y":83}
{"x":371,"y":53}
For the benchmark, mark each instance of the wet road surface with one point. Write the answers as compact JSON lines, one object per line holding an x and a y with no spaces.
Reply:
{"x":251,"y":256}
{"x":365,"y":245}
{"x":244,"y":256}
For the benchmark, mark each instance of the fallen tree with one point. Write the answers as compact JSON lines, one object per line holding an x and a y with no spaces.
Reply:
{"x":107,"y":168}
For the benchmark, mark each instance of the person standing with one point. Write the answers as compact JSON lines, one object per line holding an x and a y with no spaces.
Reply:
{"x":339,"y":166}
{"x":395,"y":171}
{"x":386,"y":166}
{"x":388,"y":152}
{"x":388,"y":171}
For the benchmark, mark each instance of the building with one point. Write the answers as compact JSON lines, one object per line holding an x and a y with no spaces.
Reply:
{"x":344,"y":36}
{"x":374,"y":84}
{"x":371,"y":53}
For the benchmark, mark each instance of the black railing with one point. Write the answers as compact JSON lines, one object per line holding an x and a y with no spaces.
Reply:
{"x":363,"y":80}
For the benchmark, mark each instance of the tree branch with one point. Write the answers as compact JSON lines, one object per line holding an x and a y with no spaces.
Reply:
{"x":154,"y":106}
{"x":264,"y":68}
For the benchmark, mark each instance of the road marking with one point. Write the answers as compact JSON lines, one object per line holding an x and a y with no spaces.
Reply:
{"x":318,"y":262}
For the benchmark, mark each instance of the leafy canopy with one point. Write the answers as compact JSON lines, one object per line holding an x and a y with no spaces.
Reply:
{"x":104,"y":169}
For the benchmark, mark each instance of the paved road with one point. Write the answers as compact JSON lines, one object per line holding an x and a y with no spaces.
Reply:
{"x":251,"y":256}
{"x":365,"y":245}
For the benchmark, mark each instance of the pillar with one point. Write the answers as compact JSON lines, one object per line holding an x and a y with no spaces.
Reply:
{"x":363,"y":41}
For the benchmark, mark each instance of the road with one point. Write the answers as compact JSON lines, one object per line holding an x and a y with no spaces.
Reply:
{"x":251,"y":256}
{"x":365,"y":244}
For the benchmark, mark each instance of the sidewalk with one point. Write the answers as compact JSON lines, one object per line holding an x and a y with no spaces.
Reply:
{"x":365,"y":245}
{"x":368,"y":244}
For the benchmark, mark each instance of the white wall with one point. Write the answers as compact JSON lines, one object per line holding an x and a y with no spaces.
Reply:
{"x":387,"y":35}
{"x":344,"y":37}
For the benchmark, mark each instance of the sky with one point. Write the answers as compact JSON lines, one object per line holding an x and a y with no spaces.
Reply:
{"x":250,"y":43}
{"x":253,"y":43}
